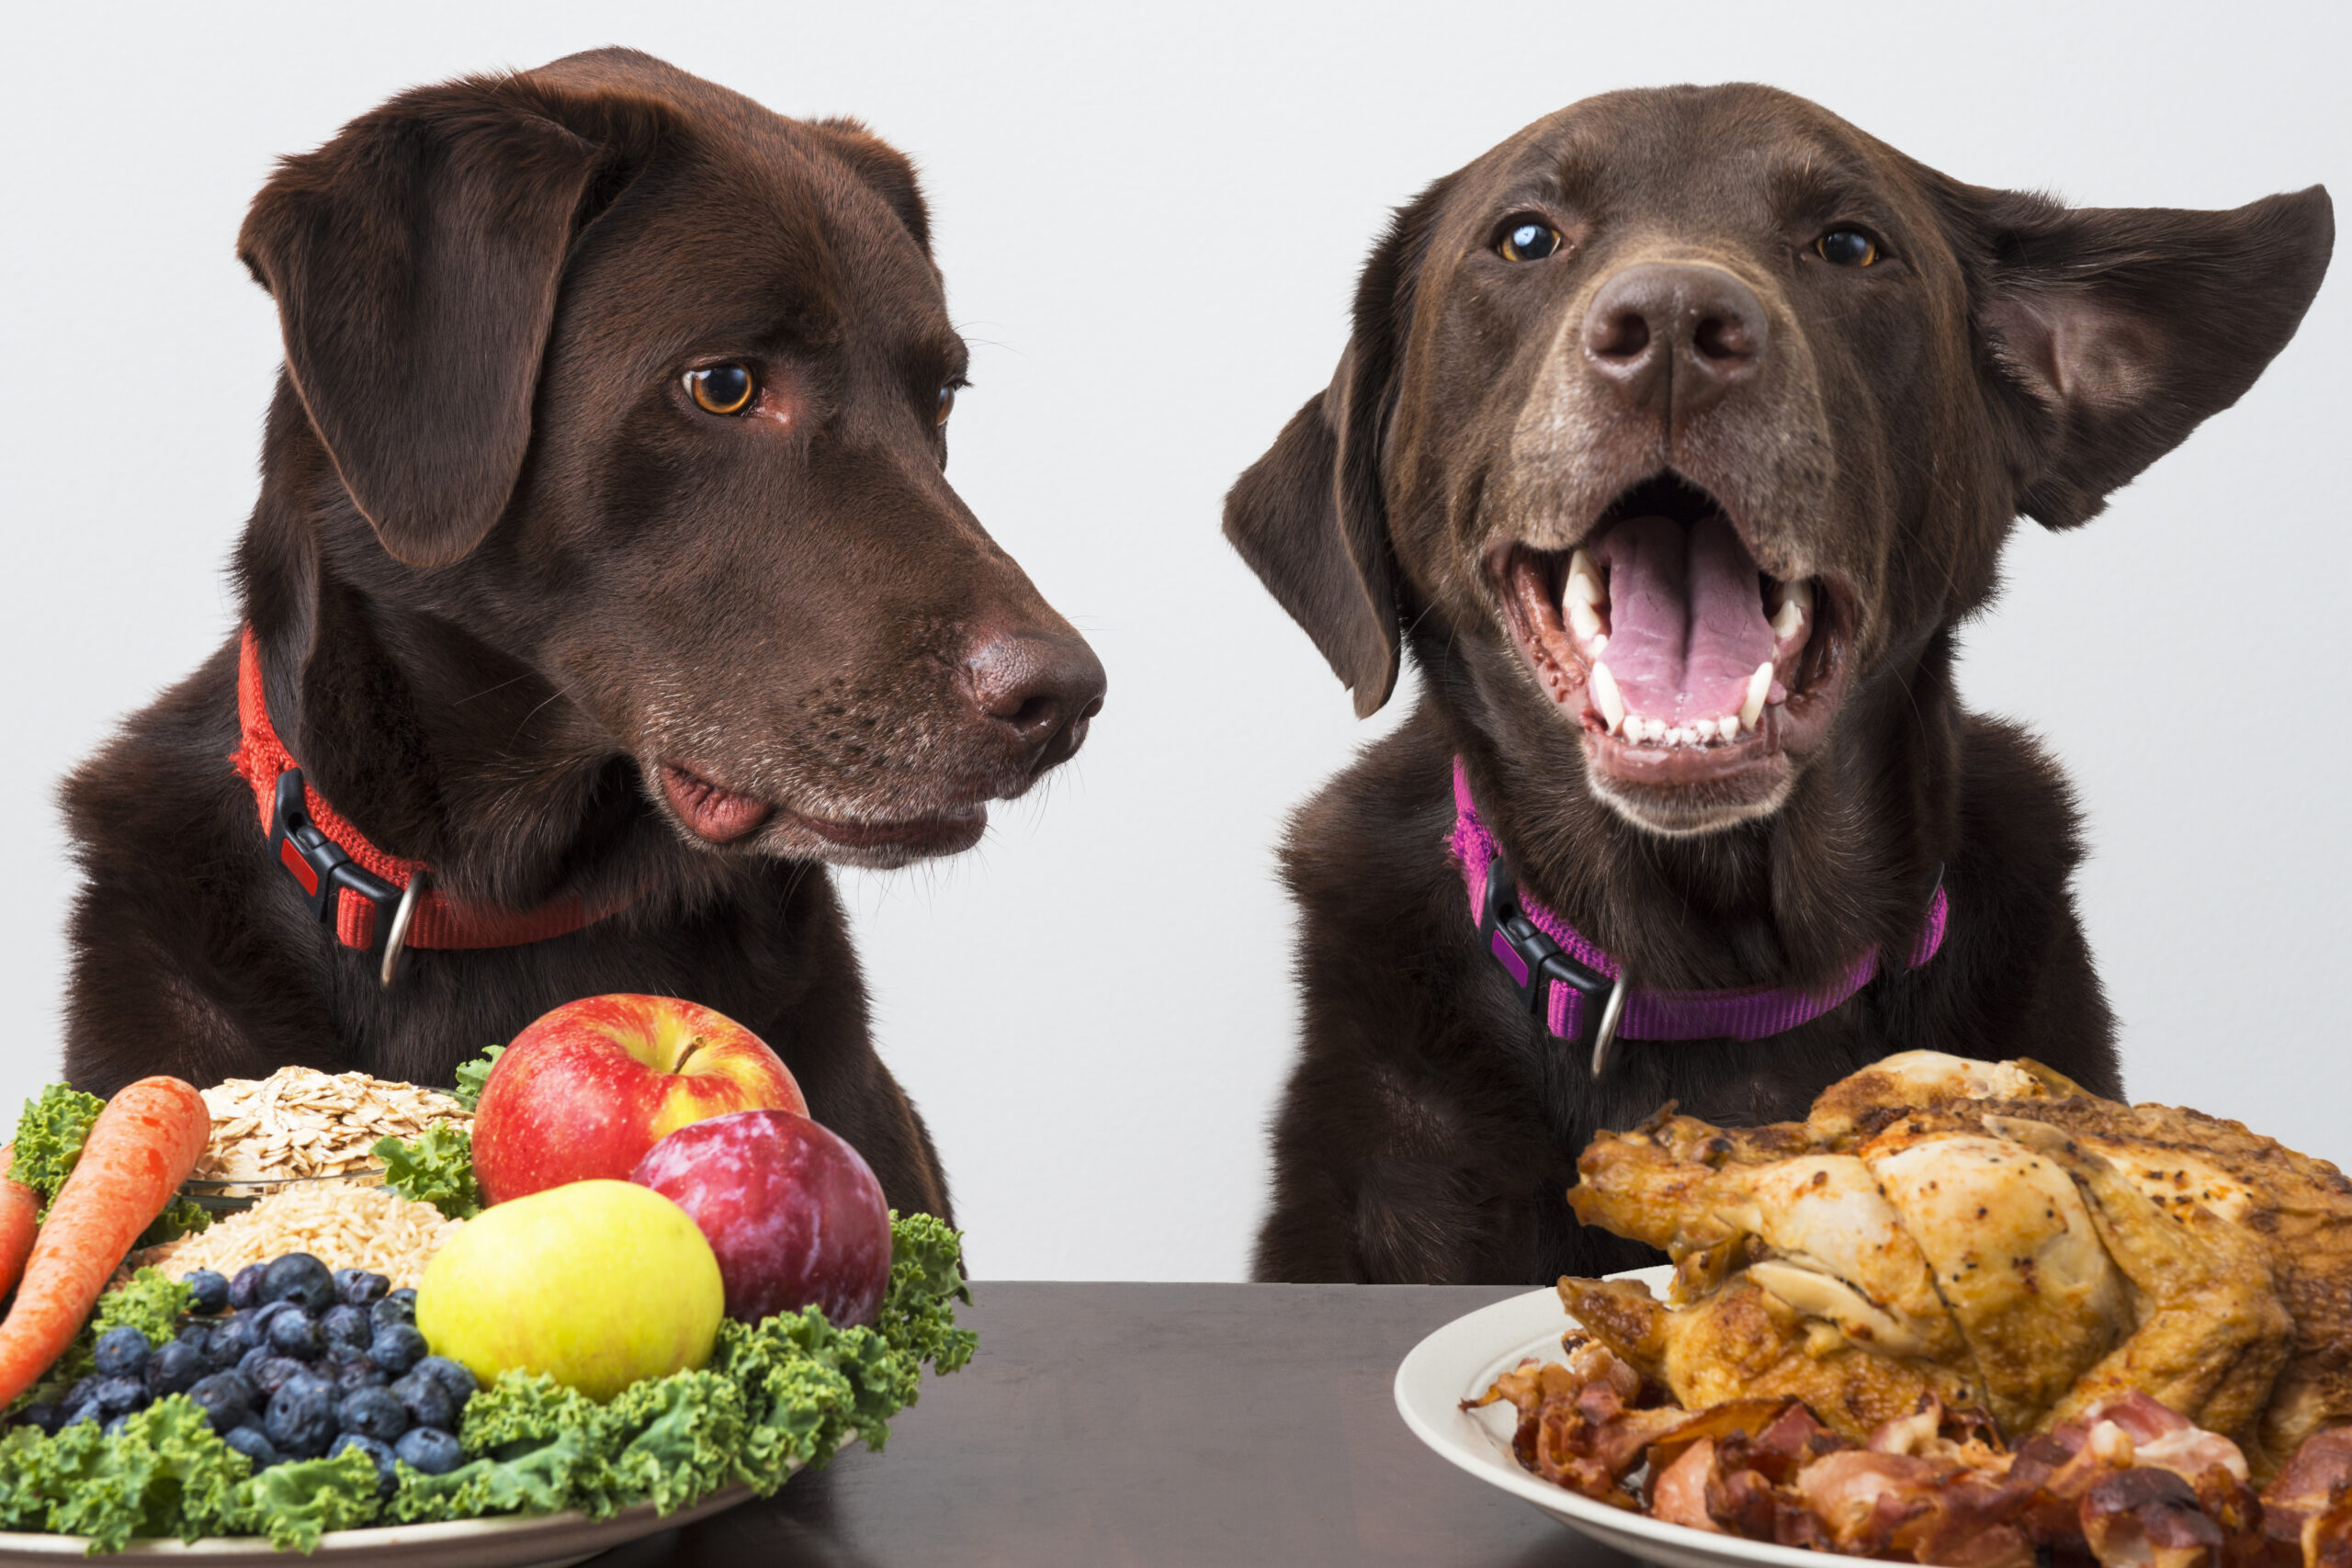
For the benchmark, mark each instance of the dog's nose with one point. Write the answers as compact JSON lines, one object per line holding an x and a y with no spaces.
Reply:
{"x":1673,"y":337}
{"x":1037,"y":690}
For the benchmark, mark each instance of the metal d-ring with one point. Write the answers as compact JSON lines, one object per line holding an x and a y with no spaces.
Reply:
{"x":398,"y":938}
{"x":1606,"y":1035}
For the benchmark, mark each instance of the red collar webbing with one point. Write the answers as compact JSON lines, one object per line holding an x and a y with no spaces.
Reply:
{"x":353,"y":885}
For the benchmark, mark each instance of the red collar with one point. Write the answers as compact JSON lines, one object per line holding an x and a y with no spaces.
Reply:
{"x":376,"y":902}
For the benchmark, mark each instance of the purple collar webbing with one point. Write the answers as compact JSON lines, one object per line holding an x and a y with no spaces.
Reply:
{"x":1750,"y":1013}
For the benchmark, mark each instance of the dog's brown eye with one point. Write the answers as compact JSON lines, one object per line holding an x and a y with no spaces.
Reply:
{"x":722,"y":388}
{"x":1529,"y":241}
{"x":1846,"y":247}
{"x":946,"y":405}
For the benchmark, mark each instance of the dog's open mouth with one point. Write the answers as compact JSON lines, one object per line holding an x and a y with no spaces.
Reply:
{"x":1685,"y":661}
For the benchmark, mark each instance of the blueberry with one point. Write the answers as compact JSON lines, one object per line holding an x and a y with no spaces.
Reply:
{"x":374,"y":1413}
{"x":299,"y":1278}
{"x":274,"y":1372}
{"x":392,"y":1309}
{"x":350,"y":1377}
{"x":80,"y":1393}
{"x":301,"y":1419}
{"x":398,"y":1346}
{"x":211,"y":1289}
{"x":346,"y":1325}
{"x":198,"y":1333}
{"x":116,"y":1395}
{"x":226,"y":1398}
{"x":255,"y":1444}
{"x":86,"y":1411}
{"x":360,"y":1288}
{"x":292,"y":1333}
{"x":114,"y":1428}
{"x":44,"y":1415}
{"x":244,"y":1291}
{"x":429,"y":1450}
{"x":229,"y":1341}
{"x":175,"y":1368}
{"x":406,"y":1296}
{"x":121,"y":1352}
{"x":387,"y":1480}
{"x":453,"y":1376}
{"x":426,"y":1402}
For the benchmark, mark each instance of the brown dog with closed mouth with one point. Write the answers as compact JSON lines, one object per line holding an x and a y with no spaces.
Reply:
{"x":1675,"y":436}
{"x":603,"y":563}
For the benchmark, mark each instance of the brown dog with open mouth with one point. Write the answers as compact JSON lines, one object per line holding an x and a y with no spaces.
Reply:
{"x":1675,"y":436}
{"x":604,"y":587}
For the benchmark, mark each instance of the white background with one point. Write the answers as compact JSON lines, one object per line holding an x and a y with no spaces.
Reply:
{"x":1150,"y":225}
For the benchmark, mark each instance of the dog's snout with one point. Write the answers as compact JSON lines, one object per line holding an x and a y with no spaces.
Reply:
{"x":1673,"y":337}
{"x":1037,"y":690}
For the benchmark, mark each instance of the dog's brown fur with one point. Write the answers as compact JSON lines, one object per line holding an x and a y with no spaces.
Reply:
{"x":503,"y":572}
{"x":2007,"y":355}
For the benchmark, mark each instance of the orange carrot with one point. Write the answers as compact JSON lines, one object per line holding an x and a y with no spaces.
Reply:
{"x":139,"y":1149}
{"x":19,"y":1213}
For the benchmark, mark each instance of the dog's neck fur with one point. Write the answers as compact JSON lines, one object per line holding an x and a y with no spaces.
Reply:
{"x":437,"y":743}
{"x":1790,"y":899}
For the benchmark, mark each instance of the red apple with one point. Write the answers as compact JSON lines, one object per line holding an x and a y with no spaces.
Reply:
{"x":793,"y":1213}
{"x":581,"y":1094}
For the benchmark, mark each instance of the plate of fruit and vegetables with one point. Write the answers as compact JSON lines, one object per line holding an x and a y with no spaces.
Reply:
{"x":583,"y":1357}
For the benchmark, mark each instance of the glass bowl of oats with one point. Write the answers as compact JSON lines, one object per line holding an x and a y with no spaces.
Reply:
{"x":302,"y":1130}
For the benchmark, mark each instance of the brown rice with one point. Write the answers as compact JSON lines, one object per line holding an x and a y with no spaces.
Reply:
{"x":343,"y":1224}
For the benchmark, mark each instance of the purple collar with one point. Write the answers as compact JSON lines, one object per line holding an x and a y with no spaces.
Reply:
{"x":1581,"y":993}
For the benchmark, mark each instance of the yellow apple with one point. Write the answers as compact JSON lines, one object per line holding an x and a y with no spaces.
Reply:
{"x":595,"y":1283}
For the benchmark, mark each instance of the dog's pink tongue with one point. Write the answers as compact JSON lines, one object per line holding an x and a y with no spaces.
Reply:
{"x":1686,"y":617}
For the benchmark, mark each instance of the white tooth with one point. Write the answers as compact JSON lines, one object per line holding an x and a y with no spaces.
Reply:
{"x":1677,"y":736}
{"x":1653,"y":729}
{"x":1600,"y":643}
{"x":1582,"y":620}
{"x":1584,"y":581}
{"x":1796,"y":608}
{"x":1601,"y":687}
{"x":1728,"y":725}
{"x":1758,"y":685}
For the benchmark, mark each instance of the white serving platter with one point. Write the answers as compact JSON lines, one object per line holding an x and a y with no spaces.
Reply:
{"x":1461,"y":1361}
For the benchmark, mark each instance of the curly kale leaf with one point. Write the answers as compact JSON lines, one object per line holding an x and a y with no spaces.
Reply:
{"x":918,"y":1312}
{"x":437,"y":1168}
{"x":149,"y":1301}
{"x":296,"y":1501}
{"x":165,"y":1473}
{"x":675,"y":1440}
{"x":474,"y":1073}
{"x":49,"y":1135}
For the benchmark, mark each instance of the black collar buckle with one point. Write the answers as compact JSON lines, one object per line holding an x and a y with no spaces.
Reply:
{"x":1528,"y":958}
{"x":322,"y":870}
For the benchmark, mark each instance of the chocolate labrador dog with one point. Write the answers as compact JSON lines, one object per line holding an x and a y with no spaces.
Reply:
{"x":604,"y":588}
{"x":1676,"y":438}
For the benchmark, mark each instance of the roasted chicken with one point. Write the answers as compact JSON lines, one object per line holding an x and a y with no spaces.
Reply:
{"x":1991,"y":1234}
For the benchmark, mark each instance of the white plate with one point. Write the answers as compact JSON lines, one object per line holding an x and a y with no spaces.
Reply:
{"x":1461,"y":1360}
{"x":542,"y":1541}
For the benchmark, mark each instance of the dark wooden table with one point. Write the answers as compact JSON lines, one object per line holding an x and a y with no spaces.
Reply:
{"x":1135,"y":1425}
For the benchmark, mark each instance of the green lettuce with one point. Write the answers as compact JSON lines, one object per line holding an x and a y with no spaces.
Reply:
{"x":437,"y":1168}
{"x":49,"y":1135}
{"x":474,"y":1073}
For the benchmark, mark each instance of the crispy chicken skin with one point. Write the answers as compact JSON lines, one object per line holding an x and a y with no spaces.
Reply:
{"x":1990,"y":1233}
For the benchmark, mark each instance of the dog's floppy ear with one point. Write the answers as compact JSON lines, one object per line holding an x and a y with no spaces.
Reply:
{"x":1311,"y":517}
{"x":414,"y":260}
{"x":889,"y":171}
{"x":2112,"y":332}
